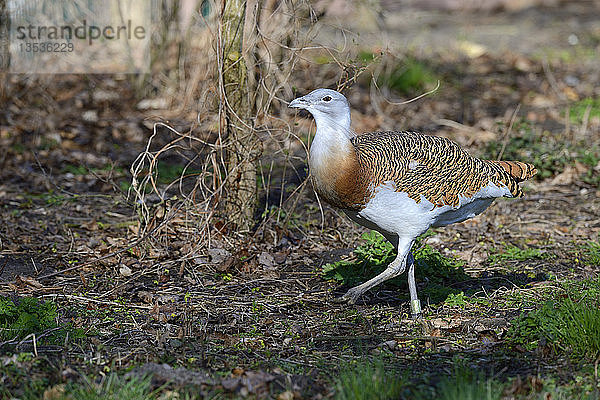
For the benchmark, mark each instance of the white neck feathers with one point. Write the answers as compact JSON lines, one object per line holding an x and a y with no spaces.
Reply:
{"x":332,"y":140}
{"x":340,"y":122}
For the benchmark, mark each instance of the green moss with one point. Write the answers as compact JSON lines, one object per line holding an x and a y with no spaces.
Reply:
{"x":410,"y":77}
{"x":376,"y":253}
{"x":75,"y":169}
{"x":323,"y":59}
{"x":25,"y":316}
{"x":18,"y":148}
{"x":570,"y":325}
{"x":366,"y":56}
{"x":578,"y":110}
{"x":28,"y":315}
{"x":511,"y":252}
{"x":167,"y":173}
{"x":461,"y":300}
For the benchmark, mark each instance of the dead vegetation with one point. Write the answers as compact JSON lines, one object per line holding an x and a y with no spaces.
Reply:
{"x":150,"y":281}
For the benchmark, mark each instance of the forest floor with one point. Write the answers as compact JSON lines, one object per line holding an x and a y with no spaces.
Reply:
{"x":510,"y":298}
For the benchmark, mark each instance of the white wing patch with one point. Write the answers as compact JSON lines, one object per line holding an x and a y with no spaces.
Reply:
{"x":395,"y":212}
{"x":413,"y":164}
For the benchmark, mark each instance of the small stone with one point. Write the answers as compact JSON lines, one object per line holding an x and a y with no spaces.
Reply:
{"x":571,"y":80}
{"x":389,"y":344}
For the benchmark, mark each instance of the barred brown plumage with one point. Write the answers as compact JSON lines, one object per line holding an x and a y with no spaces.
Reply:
{"x":518,"y":170}
{"x":399,"y":183}
{"x":443,"y":170}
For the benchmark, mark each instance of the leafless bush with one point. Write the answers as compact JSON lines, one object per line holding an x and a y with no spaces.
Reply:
{"x":278,"y":53}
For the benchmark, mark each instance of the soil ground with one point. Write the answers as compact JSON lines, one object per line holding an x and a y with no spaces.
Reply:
{"x":257,"y":315}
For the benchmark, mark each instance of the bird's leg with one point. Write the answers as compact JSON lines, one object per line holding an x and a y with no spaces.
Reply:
{"x":395,"y":268}
{"x":415,"y":303}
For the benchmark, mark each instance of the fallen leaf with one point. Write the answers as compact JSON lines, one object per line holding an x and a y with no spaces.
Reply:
{"x":281,"y":256}
{"x":287,"y":395}
{"x":435,"y":332}
{"x":570,"y":93}
{"x":570,"y":174}
{"x":217,"y":255}
{"x":145,"y":296}
{"x":440,"y":323}
{"x":125,"y":270}
{"x":388,"y":344}
{"x":266,"y":260}
{"x":471,"y":49}
{"x":54,"y":392}
{"x":225,"y":266}
{"x":523,"y":64}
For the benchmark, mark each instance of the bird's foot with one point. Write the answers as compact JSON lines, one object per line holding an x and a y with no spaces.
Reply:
{"x":349,"y":298}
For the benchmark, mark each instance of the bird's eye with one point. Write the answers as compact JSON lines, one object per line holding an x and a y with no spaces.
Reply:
{"x":327,"y":98}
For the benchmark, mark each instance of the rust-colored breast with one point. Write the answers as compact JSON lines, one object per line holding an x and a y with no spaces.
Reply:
{"x":342,"y":182}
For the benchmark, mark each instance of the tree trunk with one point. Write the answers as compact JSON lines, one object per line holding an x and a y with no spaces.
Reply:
{"x":237,"y":84}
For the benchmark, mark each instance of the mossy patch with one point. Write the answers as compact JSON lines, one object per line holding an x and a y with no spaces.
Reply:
{"x":25,"y":316}
{"x":409,"y":77}
{"x":568,"y":323}
{"x":376,"y":253}
{"x":584,"y":109}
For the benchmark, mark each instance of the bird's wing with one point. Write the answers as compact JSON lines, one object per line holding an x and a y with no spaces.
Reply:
{"x":435,"y":168}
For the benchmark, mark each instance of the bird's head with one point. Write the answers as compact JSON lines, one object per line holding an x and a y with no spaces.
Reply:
{"x":325,"y":101}
{"x":328,"y":107}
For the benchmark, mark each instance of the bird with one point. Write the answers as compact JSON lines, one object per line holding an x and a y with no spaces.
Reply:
{"x":399,"y":183}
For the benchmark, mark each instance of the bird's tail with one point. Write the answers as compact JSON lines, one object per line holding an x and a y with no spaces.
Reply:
{"x":520,"y":171}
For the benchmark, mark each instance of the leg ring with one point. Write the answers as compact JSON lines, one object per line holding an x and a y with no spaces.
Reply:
{"x":415,"y":308}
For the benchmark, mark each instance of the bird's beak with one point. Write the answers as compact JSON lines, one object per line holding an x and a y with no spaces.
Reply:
{"x":300,"y":102}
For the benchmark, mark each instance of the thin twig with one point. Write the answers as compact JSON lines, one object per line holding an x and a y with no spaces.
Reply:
{"x":506,"y":137}
{"x":552,"y":80}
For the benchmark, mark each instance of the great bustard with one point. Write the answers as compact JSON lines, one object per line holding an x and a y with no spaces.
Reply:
{"x":399,"y":183}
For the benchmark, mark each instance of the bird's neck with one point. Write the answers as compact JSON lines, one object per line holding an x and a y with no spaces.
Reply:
{"x":331,"y":144}
{"x":334,"y":165}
